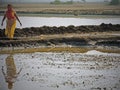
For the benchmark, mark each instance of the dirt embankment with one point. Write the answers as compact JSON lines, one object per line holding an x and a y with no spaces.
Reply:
{"x":71,"y":35}
{"x":46,"y":30}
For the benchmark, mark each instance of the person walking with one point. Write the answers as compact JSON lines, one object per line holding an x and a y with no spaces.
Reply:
{"x":11,"y":16}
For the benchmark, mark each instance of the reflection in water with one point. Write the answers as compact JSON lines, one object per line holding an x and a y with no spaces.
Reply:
{"x":11,"y":74}
{"x":63,"y":71}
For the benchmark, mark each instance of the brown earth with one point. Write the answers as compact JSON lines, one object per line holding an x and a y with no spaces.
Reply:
{"x":47,"y":30}
{"x":105,"y":35}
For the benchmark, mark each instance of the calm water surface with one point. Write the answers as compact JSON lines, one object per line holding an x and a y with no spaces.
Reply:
{"x":60,"y":21}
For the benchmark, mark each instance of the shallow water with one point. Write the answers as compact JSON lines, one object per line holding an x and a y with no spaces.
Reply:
{"x":62,"y":21}
{"x":64,"y":71}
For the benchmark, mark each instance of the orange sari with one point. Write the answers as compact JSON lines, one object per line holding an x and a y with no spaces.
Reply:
{"x":11,"y":24}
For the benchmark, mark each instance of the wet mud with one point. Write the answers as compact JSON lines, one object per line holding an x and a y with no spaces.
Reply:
{"x":48,"y":70}
{"x":34,"y":31}
{"x":77,"y":36}
{"x":92,"y":70}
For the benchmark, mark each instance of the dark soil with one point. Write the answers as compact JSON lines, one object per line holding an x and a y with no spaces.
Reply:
{"x":73,"y":41}
{"x":35,"y":31}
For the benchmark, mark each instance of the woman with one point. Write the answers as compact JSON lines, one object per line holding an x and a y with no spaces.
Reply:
{"x":11,"y":16}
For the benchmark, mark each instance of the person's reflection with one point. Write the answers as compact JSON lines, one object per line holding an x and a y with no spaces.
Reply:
{"x":11,"y":74}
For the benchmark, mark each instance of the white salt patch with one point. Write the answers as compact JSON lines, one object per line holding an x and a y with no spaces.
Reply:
{"x":94,"y":52}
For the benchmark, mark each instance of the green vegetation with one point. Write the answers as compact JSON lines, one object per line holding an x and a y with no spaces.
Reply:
{"x":114,"y":2}
{"x":83,"y":0}
{"x":60,"y":2}
{"x":56,"y":2}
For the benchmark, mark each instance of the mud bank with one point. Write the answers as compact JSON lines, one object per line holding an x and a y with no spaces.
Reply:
{"x":105,"y":36}
{"x":76,"y":42}
{"x":35,"y":31}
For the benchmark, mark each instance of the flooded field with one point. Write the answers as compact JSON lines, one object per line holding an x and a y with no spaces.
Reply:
{"x":63,"y":21}
{"x":92,"y":70}
{"x":45,"y":55}
{"x":62,"y":47}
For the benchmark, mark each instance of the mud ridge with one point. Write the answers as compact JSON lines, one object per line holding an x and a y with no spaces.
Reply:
{"x":35,"y":31}
{"x":60,"y":36}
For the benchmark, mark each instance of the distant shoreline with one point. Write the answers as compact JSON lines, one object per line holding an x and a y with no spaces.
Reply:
{"x":67,"y":9}
{"x":65,"y":15}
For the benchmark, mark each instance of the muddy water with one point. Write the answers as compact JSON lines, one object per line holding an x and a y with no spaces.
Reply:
{"x":63,"y":71}
{"x":59,"y":21}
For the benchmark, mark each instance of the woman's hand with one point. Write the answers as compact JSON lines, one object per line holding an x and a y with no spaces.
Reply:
{"x":2,"y":24}
{"x":20,"y":24}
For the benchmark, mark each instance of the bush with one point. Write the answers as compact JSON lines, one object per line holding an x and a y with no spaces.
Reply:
{"x":114,"y":2}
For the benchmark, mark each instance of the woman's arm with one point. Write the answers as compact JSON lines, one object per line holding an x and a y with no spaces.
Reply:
{"x":3,"y":19}
{"x":19,"y":71}
{"x":18,"y":19}
{"x":3,"y":71}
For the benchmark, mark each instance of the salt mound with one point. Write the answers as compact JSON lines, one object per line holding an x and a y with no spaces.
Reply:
{"x":94,"y":52}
